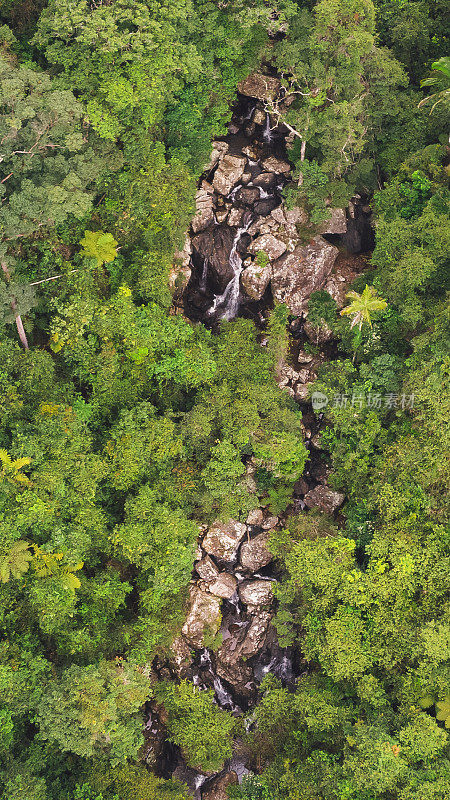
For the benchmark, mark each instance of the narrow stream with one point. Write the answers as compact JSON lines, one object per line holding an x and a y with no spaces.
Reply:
{"x":226,"y":225}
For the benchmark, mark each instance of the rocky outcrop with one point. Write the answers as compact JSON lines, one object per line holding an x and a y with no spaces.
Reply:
{"x":259,"y":86}
{"x":324,"y":499}
{"x":228,"y":173}
{"x":203,"y":617}
{"x":254,"y":554}
{"x":223,"y":539}
{"x":296,"y":275}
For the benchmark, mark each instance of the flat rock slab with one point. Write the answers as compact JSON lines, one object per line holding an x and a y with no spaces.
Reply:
{"x":223,"y":539}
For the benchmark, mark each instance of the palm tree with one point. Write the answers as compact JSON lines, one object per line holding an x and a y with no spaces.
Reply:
{"x":441,"y":79}
{"x":362,"y":306}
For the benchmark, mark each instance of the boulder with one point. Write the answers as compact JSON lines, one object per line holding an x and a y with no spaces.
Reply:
{"x":262,"y":87}
{"x":235,"y":217}
{"x":256,"y":635}
{"x":218,"y":788}
{"x":255,"y":517}
{"x":264,"y":207}
{"x":256,"y":594}
{"x":324,"y":499}
{"x":203,"y":617}
{"x":269,"y":523}
{"x":302,"y":391}
{"x":336,"y":224}
{"x":215,"y":245}
{"x":269,"y":244}
{"x":259,"y":116}
{"x":228,"y":173}
{"x":273,"y":164}
{"x":204,"y":215}
{"x":266,"y":180}
{"x":254,"y":554}
{"x":224,"y":586}
{"x":231,"y":668}
{"x":255,"y":280}
{"x":207,"y":569}
{"x":318,"y":334}
{"x":248,"y":195}
{"x":296,"y":275}
{"x":218,"y":151}
{"x":221,"y":215}
{"x":223,"y":539}
{"x":303,"y":357}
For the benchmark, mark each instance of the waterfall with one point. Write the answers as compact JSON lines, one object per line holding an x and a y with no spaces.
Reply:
{"x":229,"y":299}
{"x":202,"y":285}
{"x":224,"y":697}
{"x":267,"y":132}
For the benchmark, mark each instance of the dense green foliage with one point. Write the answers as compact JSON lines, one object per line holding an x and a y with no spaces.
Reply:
{"x":124,"y":426}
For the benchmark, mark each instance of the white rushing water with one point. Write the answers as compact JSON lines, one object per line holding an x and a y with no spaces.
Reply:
{"x":267,"y":132}
{"x":228,"y":302}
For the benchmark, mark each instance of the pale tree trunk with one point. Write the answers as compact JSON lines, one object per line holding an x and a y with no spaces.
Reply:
{"x":18,"y":318}
{"x":302,"y":158}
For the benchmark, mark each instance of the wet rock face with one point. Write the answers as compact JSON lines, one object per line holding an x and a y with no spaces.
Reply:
{"x":214,"y":246}
{"x":296,"y":275}
{"x":203,"y":617}
{"x":223,"y":539}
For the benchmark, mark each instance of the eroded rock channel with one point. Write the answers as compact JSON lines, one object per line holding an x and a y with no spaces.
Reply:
{"x":244,"y":250}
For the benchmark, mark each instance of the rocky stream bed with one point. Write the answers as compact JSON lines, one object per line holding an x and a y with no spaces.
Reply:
{"x":240,"y":213}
